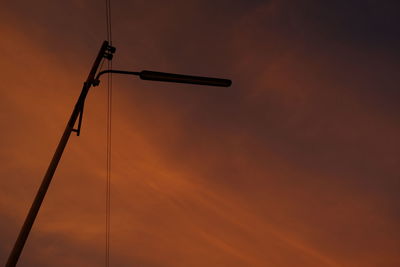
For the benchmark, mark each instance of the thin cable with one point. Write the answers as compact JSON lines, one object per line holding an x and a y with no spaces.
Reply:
{"x":109,"y":123}
{"x":108,"y":185}
{"x":108,"y":21}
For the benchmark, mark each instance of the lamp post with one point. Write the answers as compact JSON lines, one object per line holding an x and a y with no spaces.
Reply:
{"x":106,"y":51}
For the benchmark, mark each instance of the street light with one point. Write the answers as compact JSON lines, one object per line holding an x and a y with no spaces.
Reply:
{"x":168,"y":77}
{"x":106,"y":51}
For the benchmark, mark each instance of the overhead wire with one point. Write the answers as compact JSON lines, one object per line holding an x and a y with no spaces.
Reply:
{"x":108,"y":136}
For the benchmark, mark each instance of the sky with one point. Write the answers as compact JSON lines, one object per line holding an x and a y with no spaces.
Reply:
{"x":296,"y":164}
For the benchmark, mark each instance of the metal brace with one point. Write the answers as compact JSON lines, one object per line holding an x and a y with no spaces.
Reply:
{"x":108,"y":54}
{"x":78,"y":130}
{"x":110,"y":50}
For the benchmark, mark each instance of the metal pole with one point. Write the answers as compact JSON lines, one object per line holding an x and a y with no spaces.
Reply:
{"x":30,"y":218}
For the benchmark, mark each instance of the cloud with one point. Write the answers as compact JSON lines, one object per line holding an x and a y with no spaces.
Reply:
{"x":295,"y":164}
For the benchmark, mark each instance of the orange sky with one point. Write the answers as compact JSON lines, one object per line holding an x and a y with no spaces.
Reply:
{"x":296,"y":164}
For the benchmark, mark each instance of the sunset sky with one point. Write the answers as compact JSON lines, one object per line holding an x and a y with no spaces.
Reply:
{"x":296,"y":164}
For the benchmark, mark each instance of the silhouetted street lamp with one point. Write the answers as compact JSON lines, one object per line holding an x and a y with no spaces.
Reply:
{"x":106,"y":51}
